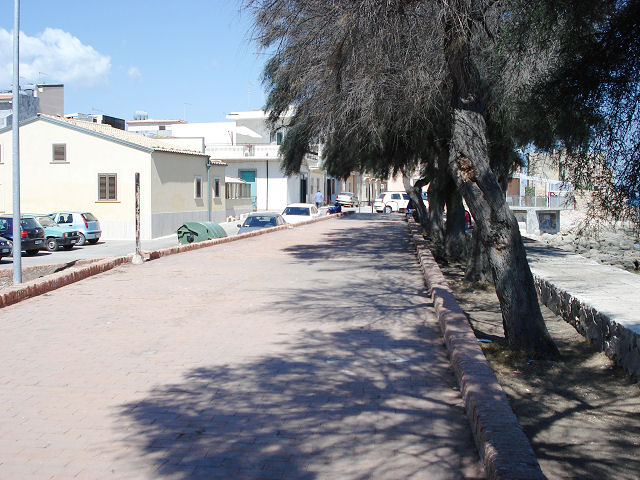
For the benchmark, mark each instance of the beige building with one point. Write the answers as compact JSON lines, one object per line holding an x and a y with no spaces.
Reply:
{"x":77,"y":165}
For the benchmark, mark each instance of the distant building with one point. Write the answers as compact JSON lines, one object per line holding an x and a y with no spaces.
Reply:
{"x":33,"y":99}
{"x":115,"y":122}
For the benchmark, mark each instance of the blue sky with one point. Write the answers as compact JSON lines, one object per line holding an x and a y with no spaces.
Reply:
{"x":115,"y":57}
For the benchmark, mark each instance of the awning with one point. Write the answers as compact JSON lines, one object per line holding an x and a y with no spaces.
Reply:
{"x":233,"y":180}
{"x":247,"y":132}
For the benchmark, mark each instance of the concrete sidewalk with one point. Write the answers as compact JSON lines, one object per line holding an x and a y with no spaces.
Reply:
{"x":307,"y":353}
{"x":601,"y":301}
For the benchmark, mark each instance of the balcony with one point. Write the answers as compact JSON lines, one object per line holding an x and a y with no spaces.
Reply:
{"x":240,"y":152}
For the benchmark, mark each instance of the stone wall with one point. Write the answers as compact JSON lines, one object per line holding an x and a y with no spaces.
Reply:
{"x":617,"y":342}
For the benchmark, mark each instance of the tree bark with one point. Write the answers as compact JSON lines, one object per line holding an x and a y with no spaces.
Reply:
{"x":415,"y":193}
{"x":522,"y":320}
{"x":478,"y":265}
{"x":455,"y":237}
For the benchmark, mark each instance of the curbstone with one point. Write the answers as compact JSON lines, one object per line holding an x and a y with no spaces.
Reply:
{"x":505,"y":450}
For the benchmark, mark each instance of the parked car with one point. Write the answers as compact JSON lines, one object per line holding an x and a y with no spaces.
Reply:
{"x":391,"y":202}
{"x":85,"y":223}
{"x":31,"y":233}
{"x":347,"y":199}
{"x":55,"y":235}
{"x":299,"y":212}
{"x":257,"y":221}
{"x":5,"y":247}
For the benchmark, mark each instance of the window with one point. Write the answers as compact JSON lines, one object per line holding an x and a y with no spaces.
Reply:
{"x":279,"y":136}
{"x":197,"y":187}
{"x":59,"y":153}
{"x":107,"y":187}
{"x":216,"y":188}
{"x":237,"y":190}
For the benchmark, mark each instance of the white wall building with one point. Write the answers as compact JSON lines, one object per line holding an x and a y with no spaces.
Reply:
{"x":68,"y":164}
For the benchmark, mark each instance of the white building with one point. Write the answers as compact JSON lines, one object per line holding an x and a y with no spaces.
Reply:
{"x":68,"y":164}
{"x":249,"y":147}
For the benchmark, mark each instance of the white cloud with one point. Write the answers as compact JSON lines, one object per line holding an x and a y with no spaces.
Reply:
{"x":134,"y":73}
{"x":63,"y":57}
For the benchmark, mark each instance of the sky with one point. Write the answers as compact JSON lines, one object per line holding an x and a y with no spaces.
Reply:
{"x":189,"y":59}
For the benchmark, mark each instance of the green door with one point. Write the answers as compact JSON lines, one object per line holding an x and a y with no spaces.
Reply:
{"x":249,"y":176}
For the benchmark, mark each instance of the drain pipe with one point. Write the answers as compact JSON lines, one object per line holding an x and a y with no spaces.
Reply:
{"x":208,"y":164}
{"x":267,"y":205}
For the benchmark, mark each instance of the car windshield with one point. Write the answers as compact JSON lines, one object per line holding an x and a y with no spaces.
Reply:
{"x":259,"y":221}
{"x":46,"y":221}
{"x":89,"y":217}
{"x":381,"y":195}
{"x":296,"y":211}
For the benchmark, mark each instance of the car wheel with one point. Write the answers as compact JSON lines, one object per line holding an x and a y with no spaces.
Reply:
{"x":93,"y":241}
{"x":31,"y":253}
{"x":81,"y":239}
{"x":52,"y":244}
{"x":388,"y":209}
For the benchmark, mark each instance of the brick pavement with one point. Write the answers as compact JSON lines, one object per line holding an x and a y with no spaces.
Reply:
{"x":238,"y":361}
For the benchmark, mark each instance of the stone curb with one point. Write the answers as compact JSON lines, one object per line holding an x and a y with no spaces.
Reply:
{"x":88,"y":268}
{"x":504,"y":448}
{"x":15,"y":294}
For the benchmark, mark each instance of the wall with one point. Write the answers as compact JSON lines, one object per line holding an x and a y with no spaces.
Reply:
{"x":173,"y":193}
{"x":47,"y":186}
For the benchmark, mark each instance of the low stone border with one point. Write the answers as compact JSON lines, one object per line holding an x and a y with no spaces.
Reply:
{"x":619,"y":343}
{"x":88,"y":268}
{"x":504,"y":448}
{"x":15,"y":294}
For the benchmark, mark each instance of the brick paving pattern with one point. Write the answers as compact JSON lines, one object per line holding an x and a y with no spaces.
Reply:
{"x":310,"y":353}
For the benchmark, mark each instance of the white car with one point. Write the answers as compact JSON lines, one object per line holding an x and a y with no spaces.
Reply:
{"x":388,"y":202}
{"x":300,"y":212}
{"x":347,"y":199}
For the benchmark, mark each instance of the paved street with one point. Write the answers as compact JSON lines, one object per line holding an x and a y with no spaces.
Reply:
{"x":116,"y":248}
{"x":308,"y":353}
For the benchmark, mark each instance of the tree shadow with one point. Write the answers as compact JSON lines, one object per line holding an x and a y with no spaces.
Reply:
{"x":365,"y":392}
{"x":358,"y":403}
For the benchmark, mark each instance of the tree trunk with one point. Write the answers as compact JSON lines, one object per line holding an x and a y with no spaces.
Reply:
{"x":522,"y":320}
{"x":455,"y":239}
{"x":415,"y":193}
{"x":478,"y":265}
{"x":436,"y":210}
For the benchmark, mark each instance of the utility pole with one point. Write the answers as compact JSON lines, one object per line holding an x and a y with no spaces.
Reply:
{"x":137,"y":257}
{"x":15,"y":126}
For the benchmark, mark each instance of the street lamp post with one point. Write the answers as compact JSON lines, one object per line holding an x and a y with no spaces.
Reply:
{"x":15,"y":126}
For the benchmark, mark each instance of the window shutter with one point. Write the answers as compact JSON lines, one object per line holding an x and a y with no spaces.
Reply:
{"x":60,"y":153}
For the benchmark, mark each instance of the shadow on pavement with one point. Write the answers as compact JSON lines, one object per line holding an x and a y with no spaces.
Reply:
{"x":338,"y":402}
{"x":372,"y":398}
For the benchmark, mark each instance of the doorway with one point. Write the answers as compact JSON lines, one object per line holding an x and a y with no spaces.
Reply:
{"x":249,"y":176}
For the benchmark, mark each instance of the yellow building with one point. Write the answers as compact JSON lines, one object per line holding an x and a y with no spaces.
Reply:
{"x":68,"y":164}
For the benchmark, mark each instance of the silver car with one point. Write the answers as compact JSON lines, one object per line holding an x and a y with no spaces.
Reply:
{"x":85,"y":223}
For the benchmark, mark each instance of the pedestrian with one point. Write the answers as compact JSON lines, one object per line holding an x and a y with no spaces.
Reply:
{"x":318,"y":198}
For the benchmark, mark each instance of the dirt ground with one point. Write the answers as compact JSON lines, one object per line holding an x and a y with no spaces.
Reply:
{"x":581,"y":414}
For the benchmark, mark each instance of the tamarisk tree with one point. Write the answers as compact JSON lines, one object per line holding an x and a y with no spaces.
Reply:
{"x":403,"y":82}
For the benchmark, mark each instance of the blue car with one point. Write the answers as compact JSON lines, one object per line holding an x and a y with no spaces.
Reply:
{"x":85,"y":223}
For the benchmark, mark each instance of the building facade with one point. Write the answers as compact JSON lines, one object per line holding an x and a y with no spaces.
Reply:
{"x":68,"y":164}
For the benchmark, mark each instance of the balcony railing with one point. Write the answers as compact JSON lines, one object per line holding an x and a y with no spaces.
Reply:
{"x":560,"y":200}
{"x":231,"y":152}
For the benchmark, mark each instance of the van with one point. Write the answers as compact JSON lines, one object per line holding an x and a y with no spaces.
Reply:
{"x":388,"y":202}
